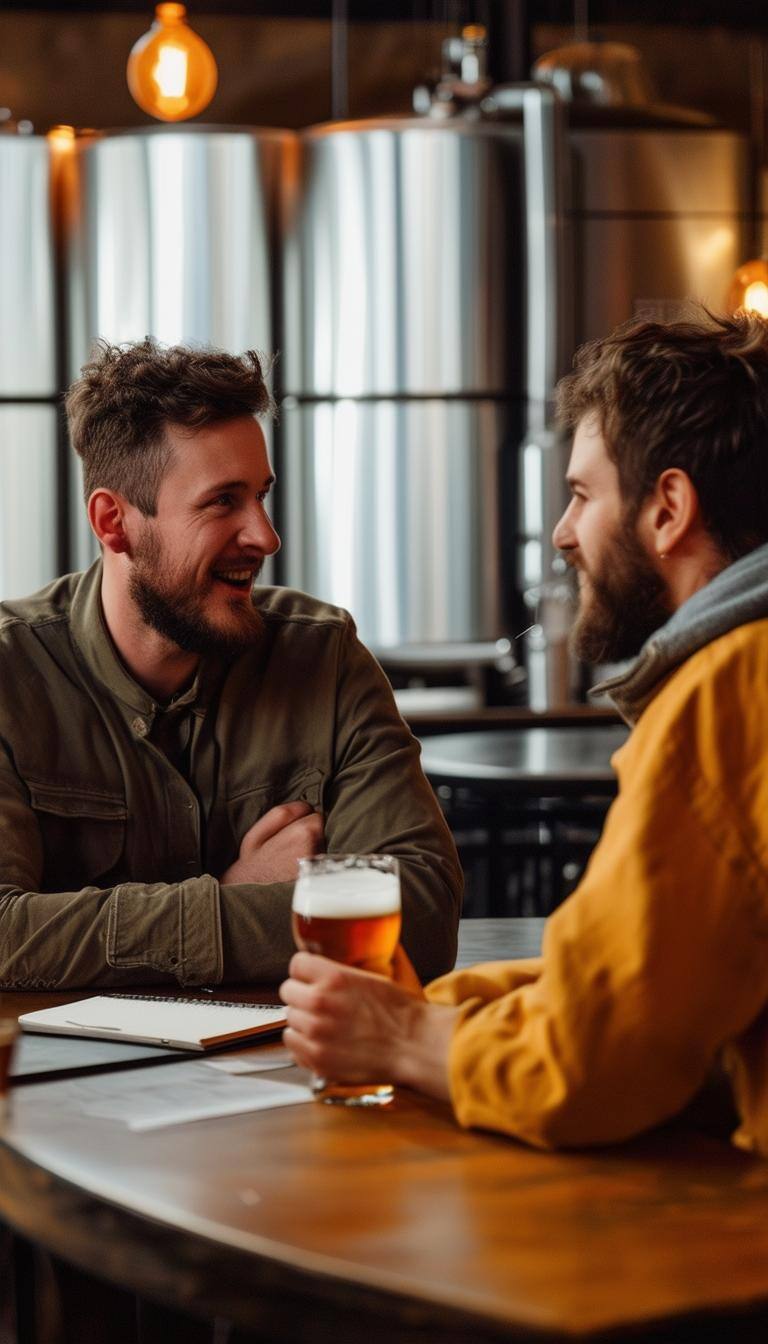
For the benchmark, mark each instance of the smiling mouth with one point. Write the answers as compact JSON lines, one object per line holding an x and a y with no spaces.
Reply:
{"x":239,"y":579}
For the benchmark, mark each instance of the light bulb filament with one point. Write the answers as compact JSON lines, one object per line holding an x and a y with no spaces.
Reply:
{"x":170,"y":72}
{"x":756,"y":298}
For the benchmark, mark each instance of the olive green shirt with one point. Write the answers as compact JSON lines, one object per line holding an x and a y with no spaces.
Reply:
{"x":117,"y":814}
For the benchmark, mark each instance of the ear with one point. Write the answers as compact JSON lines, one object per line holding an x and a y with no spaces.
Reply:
{"x":671,"y":512}
{"x":107,"y":515}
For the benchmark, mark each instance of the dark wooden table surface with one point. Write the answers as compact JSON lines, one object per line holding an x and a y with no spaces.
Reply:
{"x":316,"y":1224}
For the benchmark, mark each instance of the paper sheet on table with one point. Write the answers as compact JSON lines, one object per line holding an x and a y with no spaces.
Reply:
{"x":250,"y":1063}
{"x":183,"y":1094}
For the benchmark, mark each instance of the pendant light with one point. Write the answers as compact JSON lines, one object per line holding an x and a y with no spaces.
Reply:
{"x":749,"y":288}
{"x":171,"y":71}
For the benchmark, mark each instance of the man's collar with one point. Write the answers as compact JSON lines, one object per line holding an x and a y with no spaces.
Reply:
{"x":90,"y":633}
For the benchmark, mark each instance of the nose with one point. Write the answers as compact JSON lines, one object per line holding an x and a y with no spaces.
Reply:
{"x":258,"y":532}
{"x":563,"y":537}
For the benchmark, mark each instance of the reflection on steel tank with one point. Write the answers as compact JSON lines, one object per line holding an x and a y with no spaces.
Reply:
{"x":440,"y":270}
{"x":659,"y":196}
{"x":173,"y":232}
{"x":29,"y":421}
{"x":391,"y":511}
{"x":424,"y":331}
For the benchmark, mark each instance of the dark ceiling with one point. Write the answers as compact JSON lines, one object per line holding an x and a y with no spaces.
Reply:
{"x":726,"y":13}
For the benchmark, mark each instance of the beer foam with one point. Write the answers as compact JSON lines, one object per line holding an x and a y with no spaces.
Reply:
{"x":351,"y":893}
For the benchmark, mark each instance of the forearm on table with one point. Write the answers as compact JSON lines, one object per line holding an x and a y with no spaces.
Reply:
{"x":129,"y":933}
{"x":256,"y":935}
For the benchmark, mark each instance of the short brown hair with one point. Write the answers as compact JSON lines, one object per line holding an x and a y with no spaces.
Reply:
{"x":692,"y":395}
{"x":119,"y":407}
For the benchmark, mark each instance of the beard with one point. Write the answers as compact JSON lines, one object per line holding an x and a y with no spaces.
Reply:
{"x":622,"y":602}
{"x":171,"y":601}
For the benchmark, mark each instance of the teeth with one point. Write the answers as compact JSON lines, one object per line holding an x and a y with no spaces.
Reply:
{"x":237,"y":575}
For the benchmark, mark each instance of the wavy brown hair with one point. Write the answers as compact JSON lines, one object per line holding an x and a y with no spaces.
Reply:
{"x":692,"y":395}
{"x":119,"y":407}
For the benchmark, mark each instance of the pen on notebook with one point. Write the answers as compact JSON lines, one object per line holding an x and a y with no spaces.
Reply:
{"x":91,"y":1026}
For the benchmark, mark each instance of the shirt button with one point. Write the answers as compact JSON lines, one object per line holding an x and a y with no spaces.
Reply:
{"x":139,"y":727}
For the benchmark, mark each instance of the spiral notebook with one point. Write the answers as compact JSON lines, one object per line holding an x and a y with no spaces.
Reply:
{"x":182,"y":1024}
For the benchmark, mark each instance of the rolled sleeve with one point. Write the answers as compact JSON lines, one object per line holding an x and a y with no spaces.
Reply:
{"x":172,"y":929}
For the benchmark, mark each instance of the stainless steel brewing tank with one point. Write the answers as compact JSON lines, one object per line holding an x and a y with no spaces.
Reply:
{"x":29,"y":506}
{"x":174,"y":232}
{"x":29,"y":451}
{"x":403,"y":261}
{"x":27,"y":287}
{"x":659,"y":218}
{"x":391,"y":511}
{"x":404,"y":372}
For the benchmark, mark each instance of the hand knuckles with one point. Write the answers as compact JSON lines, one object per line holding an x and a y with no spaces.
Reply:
{"x":323,"y":999}
{"x":283,"y":813}
{"x":316,"y":1055}
{"x":311,"y":824}
{"x":317,"y":1001}
{"x":298,"y":808}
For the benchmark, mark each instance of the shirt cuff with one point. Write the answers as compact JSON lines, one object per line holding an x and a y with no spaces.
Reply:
{"x":180,"y":921}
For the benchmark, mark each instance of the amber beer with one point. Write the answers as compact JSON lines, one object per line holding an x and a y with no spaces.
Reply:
{"x":347,"y":907}
{"x":365,"y":940}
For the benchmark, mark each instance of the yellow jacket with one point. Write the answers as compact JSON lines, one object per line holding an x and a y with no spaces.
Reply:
{"x":657,"y":965}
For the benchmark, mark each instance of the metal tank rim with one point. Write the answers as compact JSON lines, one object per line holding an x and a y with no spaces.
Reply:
{"x":410,"y":123}
{"x":277,"y":133}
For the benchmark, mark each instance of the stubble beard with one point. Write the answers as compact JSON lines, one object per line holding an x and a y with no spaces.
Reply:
{"x":171,"y":603}
{"x":622,"y":602}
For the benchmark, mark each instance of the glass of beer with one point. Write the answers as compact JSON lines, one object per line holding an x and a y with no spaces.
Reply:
{"x":347,"y":907}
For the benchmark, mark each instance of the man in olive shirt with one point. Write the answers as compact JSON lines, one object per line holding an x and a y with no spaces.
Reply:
{"x":173,"y":740}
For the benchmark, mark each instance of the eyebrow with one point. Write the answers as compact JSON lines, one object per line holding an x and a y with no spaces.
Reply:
{"x":235,"y":485}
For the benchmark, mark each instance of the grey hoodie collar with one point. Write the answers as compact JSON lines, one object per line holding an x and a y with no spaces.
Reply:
{"x":737,"y":595}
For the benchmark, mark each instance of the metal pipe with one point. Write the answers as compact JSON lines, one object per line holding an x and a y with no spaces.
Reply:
{"x":548,"y":321}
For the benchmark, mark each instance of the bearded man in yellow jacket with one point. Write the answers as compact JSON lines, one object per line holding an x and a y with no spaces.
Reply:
{"x":656,"y":968}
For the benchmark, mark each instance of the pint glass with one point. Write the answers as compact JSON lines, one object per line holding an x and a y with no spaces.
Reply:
{"x":347,"y":907}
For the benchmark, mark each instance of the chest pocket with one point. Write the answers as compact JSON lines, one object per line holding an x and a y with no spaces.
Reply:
{"x":245,"y":808}
{"x":83,"y":835}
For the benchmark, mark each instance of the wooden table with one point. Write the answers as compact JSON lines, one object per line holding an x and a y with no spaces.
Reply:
{"x":315,"y":1224}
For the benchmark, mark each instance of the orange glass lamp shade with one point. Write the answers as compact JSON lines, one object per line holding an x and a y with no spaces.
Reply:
{"x":749,"y":288}
{"x":171,"y":71}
